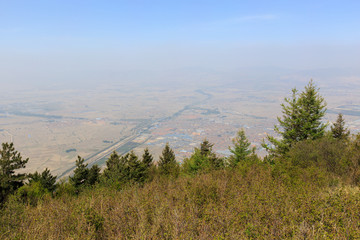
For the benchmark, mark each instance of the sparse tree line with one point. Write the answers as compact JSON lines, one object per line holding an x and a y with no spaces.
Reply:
{"x":302,"y":142}
{"x":119,"y":170}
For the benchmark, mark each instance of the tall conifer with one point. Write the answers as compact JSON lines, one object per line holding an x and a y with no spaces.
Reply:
{"x":167,"y":163}
{"x":302,"y":119}
{"x":338,"y":129}
{"x":241,"y":149}
{"x":147,"y":158}
{"x":81,"y":173}
{"x":10,"y":161}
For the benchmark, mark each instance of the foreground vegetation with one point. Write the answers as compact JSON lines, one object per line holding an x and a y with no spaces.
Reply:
{"x":307,"y":187}
{"x":251,"y":202}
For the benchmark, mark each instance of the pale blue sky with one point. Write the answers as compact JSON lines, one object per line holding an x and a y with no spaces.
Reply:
{"x":44,"y":39}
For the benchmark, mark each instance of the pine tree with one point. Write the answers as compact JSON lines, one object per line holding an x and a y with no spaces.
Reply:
{"x":117,"y":170}
{"x":338,"y":129}
{"x":112,"y":161}
{"x":167,"y":163}
{"x":94,"y":175}
{"x":112,"y":165}
{"x":136,"y":168}
{"x":148,"y":164}
{"x":241,"y":150}
{"x":46,"y":179}
{"x":203,"y":159}
{"x":206,"y":148}
{"x":125,"y":169}
{"x":302,"y":115}
{"x":312,"y":110}
{"x":147,"y":158}
{"x":209,"y":157}
{"x":81,"y":173}
{"x":10,"y":161}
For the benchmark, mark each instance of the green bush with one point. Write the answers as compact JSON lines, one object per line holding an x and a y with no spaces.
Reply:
{"x":251,"y":201}
{"x":32,"y":193}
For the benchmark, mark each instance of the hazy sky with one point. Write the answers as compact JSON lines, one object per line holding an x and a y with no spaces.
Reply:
{"x":81,"y":40}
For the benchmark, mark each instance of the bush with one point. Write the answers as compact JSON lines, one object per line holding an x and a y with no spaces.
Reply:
{"x":32,"y":193}
{"x":65,"y":188}
{"x":242,"y":203}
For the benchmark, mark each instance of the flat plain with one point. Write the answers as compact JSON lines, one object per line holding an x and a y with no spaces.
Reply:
{"x":52,"y":126}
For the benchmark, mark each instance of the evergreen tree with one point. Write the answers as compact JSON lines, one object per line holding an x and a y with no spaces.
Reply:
{"x":81,"y":173}
{"x":112,"y":165}
{"x":112,"y":161}
{"x":209,"y":157}
{"x":206,"y":148}
{"x":124,"y":169}
{"x":338,"y":129}
{"x":136,"y":168}
{"x":203,"y":159}
{"x":241,"y":150}
{"x":10,"y":161}
{"x":46,"y":179}
{"x":312,"y":109}
{"x":147,"y":158}
{"x":148,"y":164}
{"x":94,"y":175}
{"x":302,"y":115}
{"x":167,"y":163}
{"x":116,"y":170}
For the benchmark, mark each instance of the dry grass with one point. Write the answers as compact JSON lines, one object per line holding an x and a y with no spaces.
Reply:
{"x":246,"y":204}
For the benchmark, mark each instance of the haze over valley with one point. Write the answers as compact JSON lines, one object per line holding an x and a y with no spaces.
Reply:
{"x":52,"y":126}
{"x":89,"y":78}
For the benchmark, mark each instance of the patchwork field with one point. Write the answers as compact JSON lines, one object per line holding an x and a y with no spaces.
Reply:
{"x":53,"y":126}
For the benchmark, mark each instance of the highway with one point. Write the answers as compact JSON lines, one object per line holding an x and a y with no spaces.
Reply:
{"x":126,"y":144}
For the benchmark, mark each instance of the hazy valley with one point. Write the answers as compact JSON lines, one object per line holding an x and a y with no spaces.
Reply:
{"x":53,"y":126}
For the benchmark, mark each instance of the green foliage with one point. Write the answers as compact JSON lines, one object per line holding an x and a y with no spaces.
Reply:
{"x":324,"y":153}
{"x":94,"y":175}
{"x":148,"y":163}
{"x":326,"y":160}
{"x":311,"y":191}
{"x":84,"y":176}
{"x":81,"y":173}
{"x":167,"y":163}
{"x":206,"y":148}
{"x":94,"y":219}
{"x":248,"y":202}
{"x":147,"y":158}
{"x":126,"y":169}
{"x":116,"y":172}
{"x":213,"y":161}
{"x":241,"y":149}
{"x":352,"y":158}
{"x":65,"y":188}
{"x":195,"y":163}
{"x":10,"y":161}
{"x":136,"y":169}
{"x":317,"y":161}
{"x":112,"y":167}
{"x":338,"y":129}
{"x":313,"y":108}
{"x":45,"y":178}
{"x":32,"y":192}
{"x":202,"y":160}
{"x":39,"y":185}
{"x":12,"y":216}
{"x":301,"y":120}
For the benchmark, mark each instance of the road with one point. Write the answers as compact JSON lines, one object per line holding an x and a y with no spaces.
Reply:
{"x":126,"y":144}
